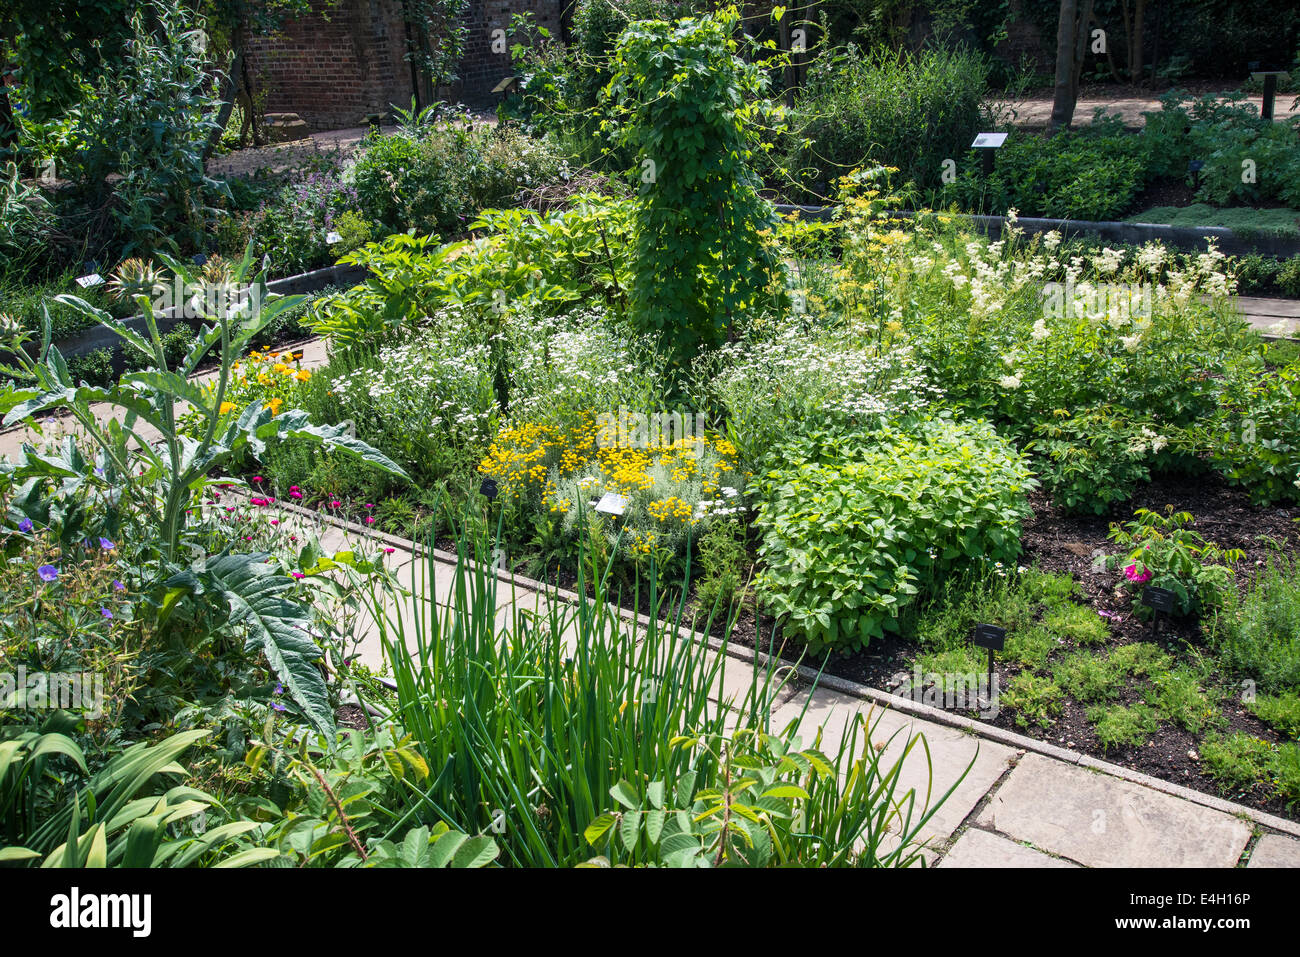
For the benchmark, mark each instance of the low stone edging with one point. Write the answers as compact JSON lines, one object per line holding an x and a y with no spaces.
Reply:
{"x":97,"y":337}
{"x":852,"y":688}
{"x":1183,"y":237}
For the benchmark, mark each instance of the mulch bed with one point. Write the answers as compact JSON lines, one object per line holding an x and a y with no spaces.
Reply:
{"x":1058,"y":542}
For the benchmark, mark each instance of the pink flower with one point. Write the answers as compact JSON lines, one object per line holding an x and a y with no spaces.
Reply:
{"x":258,"y":478}
{"x":297,"y":574}
{"x":334,"y":503}
{"x":1131,"y":573}
{"x":293,"y":494}
{"x":275,"y":521}
{"x":370,"y":505}
{"x":259,"y":501}
{"x":388,"y":551}
{"x":370,"y":520}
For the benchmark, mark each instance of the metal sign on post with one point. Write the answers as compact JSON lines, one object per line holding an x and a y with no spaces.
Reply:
{"x":1270,"y":79}
{"x":986,"y":143}
{"x":1160,"y":601}
{"x":612,"y":504}
{"x":994,"y":638}
{"x":488,"y":489}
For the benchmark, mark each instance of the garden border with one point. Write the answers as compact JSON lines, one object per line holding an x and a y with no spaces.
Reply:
{"x":1183,"y":237}
{"x":98,"y":337}
{"x":832,"y":682}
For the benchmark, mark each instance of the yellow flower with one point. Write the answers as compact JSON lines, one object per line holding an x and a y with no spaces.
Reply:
{"x":303,"y":375}
{"x":226,"y":407}
{"x":274,"y":405}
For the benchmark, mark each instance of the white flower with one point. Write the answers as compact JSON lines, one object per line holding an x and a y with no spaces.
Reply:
{"x":1051,"y":240}
{"x":1040,"y":330}
{"x":1009,"y":381}
{"x":1131,"y":342}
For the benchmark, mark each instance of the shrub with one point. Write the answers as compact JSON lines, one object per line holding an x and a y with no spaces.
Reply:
{"x":1130,"y":726}
{"x":294,"y":227}
{"x":1034,"y":698}
{"x":1288,"y":277}
{"x":437,"y":179}
{"x":1281,"y":711}
{"x":854,"y":526}
{"x":145,"y":131}
{"x":1178,"y":696}
{"x":1164,"y":552}
{"x":823,"y":384}
{"x":1238,"y":762}
{"x":907,"y":110}
{"x":1091,"y":174}
{"x":25,"y":221}
{"x":705,"y":250}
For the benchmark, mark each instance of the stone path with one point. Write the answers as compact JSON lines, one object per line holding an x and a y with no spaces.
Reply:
{"x":1021,"y":804}
{"x":1272,"y":317}
{"x":1036,"y":113}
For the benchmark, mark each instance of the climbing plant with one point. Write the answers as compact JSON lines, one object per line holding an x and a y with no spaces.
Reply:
{"x":689,"y":108}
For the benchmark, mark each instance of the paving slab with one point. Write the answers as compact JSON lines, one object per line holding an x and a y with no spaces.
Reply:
{"x":950,"y":753}
{"x":1102,"y":821}
{"x":1274,"y":850}
{"x":977,"y":848}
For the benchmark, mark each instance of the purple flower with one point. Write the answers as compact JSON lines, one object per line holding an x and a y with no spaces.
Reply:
{"x":106,"y":613}
{"x":99,"y":471}
{"x":106,"y":545}
{"x":25,"y":526}
{"x":48,"y":573}
{"x":277,"y":706}
{"x":279,"y":688}
{"x":118,"y":586}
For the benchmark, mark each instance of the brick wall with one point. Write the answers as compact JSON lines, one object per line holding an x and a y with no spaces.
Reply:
{"x":345,"y":58}
{"x":335,"y":64}
{"x":480,"y":68}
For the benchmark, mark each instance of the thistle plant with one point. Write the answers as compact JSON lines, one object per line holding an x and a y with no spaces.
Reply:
{"x":158,"y":476}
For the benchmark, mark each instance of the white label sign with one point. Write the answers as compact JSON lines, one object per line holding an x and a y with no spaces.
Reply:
{"x":94,"y":279}
{"x":989,"y":141}
{"x":333,"y":238}
{"x":612,"y":504}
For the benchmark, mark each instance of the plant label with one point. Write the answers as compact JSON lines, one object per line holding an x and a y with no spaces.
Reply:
{"x":990,"y":636}
{"x":332,"y":237}
{"x":988,"y":141}
{"x":488,"y":489}
{"x":94,"y":279}
{"x":1158,"y":599}
{"x":612,"y":504}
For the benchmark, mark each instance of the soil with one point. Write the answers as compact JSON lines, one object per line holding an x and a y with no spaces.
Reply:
{"x":1163,"y":193}
{"x":1059,"y":542}
{"x":351,"y":716}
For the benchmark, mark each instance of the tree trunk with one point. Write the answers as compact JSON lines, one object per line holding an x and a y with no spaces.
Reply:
{"x":1135,"y":61}
{"x":227,"y":103}
{"x":1065,"y":91}
{"x":1071,"y":48}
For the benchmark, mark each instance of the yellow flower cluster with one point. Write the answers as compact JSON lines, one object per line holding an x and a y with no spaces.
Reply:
{"x":531,"y":456}
{"x":668,"y":509}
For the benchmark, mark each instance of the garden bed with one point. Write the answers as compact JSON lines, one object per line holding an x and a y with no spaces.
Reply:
{"x":1067,"y":544}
